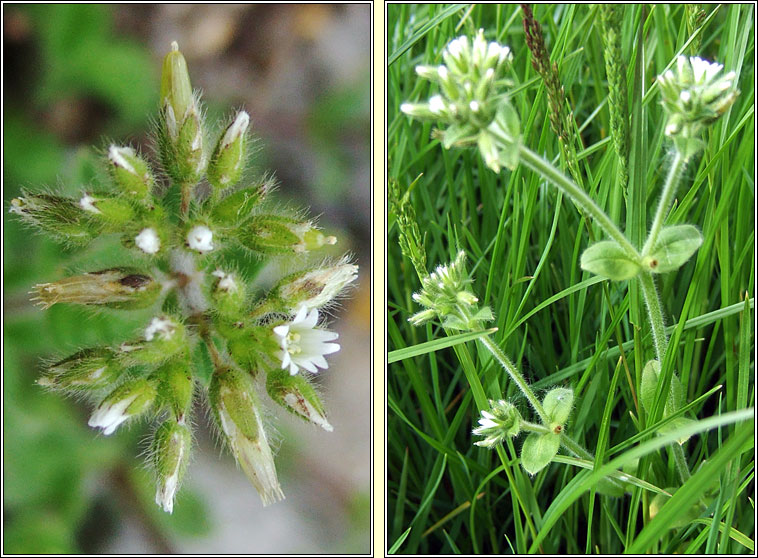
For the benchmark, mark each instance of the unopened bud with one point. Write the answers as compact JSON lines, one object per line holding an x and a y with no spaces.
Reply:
{"x":110,"y":211}
{"x":176,"y":90}
{"x":175,"y":387}
{"x":88,"y":369}
{"x":130,"y":172}
{"x":235,"y":408}
{"x":313,"y":288}
{"x":119,"y":287}
{"x":273,"y":234}
{"x":61,"y":217}
{"x":228,"y":294}
{"x":164,"y":337}
{"x":130,"y":399}
{"x":226,"y":164}
{"x":237,"y":207}
{"x":148,"y":241}
{"x":171,"y":451}
{"x":297,"y":395}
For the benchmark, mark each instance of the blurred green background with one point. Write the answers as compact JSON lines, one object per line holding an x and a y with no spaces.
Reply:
{"x":80,"y":76}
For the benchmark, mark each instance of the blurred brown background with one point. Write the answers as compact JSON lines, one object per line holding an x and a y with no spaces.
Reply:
{"x":76,"y":77}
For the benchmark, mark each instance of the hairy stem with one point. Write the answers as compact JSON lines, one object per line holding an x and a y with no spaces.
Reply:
{"x":654,"y":314}
{"x":580,"y":197}
{"x":667,"y":197}
{"x":516,"y":377}
{"x":681,"y":462}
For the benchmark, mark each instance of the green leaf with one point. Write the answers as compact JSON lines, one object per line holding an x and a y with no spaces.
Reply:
{"x":675,"y":424}
{"x":675,"y":245}
{"x":558,"y":403}
{"x":609,"y":260}
{"x":649,"y":388}
{"x":685,"y":517}
{"x":538,"y":451}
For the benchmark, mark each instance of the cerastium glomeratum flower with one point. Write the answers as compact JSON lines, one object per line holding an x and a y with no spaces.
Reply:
{"x":181,"y":236}
{"x":470,"y":101}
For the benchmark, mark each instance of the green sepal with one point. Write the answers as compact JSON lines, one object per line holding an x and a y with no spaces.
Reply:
{"x":674,"y":246}
{"x":113,"y":212}
{"x":228,"y":295}
{"x":160,"y":348}
{"x":62,"y":218}
{"x":231,"y":393}
{"x":175,"y":386}
{"x":608,"y":259}
{"x":296,"y":394}
{"x":145,"y":390}
{"x":228,"y":158}
{"x":176,"y":89}
{"x":170,"y":448}
{"x":130,"y":172}
{"x":558,"y":404}
{"x":275,"y":234}
{"x":539,"y":450}
{"x":88,"y":369}
{"x":237,"y":207}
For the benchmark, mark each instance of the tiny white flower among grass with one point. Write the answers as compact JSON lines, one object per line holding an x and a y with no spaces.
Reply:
{"x":303,"y":344}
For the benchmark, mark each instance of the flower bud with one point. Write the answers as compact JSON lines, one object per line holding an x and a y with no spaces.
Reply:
{"x":227,"y":161}
{"x":130,"y":399}
{"x":297,"y":395}
{"x":175,"y":387}
{"x":148,"y":241}
{"x":61,"y":217}
{"x":176,"y":91}
{"x":130,"y":172}
{"x":112,"y":212}
{"x":170,"y":450}
{"x":501,"y":421}
{"x":237,"y":207}
{"x":313,"y":288}
{"x":228,"y":294}
{"x":164,"y":337}
{"x":119,"y":287}
{"x":273,"y":234}
{"x":88,"y":369}
{"x":235,"y":408}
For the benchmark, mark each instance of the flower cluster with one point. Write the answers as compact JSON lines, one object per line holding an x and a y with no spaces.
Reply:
{"x":470,"y":102}
{"x":695,"y":94}
{"x":444,"y":293}
{"x":502,"y":421}
{"x":208,"y":322}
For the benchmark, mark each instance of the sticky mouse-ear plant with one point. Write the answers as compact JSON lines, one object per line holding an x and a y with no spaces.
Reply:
{"x":202,"y":303}
{"x":694,"y":94}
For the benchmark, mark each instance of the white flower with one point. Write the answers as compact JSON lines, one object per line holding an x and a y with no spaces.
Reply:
{"x":164,"y":327}
{"x":87,"y":204}
{"x":303,"y":344}
{"x":110,"y":415}
{"x":226,"y":282}
{"x":148,"y":241}
{"x":200,"y":238}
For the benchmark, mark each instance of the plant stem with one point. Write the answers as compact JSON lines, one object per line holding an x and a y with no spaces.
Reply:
{"x":516,"y":377}
{"x":681,"y":462}
{"x":654,"y":314}
{"x":533,"y":427}
{"x":575,"y":448}
{"x":667,"y":197}
{"x":580,"y":197}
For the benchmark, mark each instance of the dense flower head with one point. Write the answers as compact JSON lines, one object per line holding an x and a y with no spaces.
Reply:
{"x":444,"y":293}
{"x":197,"y":293}
{"x":471,"y":100}
{"x":500,"y":422}
{"x":695,"y":93}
